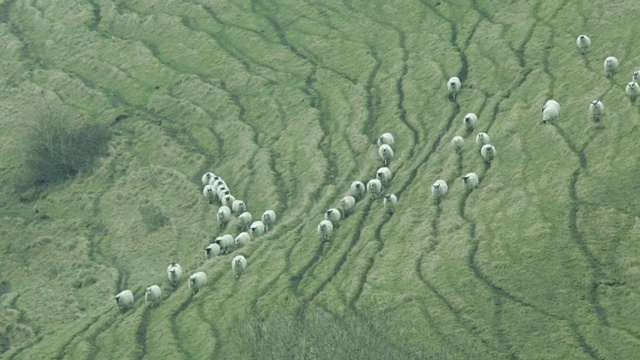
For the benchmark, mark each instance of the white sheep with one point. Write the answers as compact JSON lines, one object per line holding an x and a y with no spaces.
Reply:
{"x":214,"y":179}
{"x":218,"y":183}
{"x":245,"y":220}
{"x":386,"y":153}
{"x":384,"y":175}
{"x":583,"y":42}
{"x":550,"y":111}
{"x":238,"y":264}
{"x":333,"y":215}
{"x":206,"y":178}
{"x":347,"y":204}
{"x":174,"y":273}
{"x":357,"y":190}
{"x":209,"y":193}
{"x":268,"y":219}
{"x":374,"y":187}
{"x":482,"y":138}
{"x":197,"y":281}
{"x":596,"y":110}
{"x":390,"y":201}
{"x":256,"y":229}
{"x":488,"y":152}
{"x":453,"y":85}
{"x":636,"y":76}
{"x":228,"y":200}
{"x":470,"y":181}
{"x":386,"y":138}
{"x":470,"y":120}
{"x":222,"y":191}
{"x":458,"y":143}
{"x":633,"y":90}
{"x":611,"y":65}
{"x":439,"y":189}
{"x":226,"y":243}
{"x":124,"y":300}
{"x":242,"y":239}
{"x":238,"y":207}
{"x":325,"y":228}
{"x":223,"y":215}
{"x":152,"y":295}
{"x":211,"y":251}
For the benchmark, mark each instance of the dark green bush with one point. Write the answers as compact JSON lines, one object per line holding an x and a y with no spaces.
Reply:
{"x":58,"y":148}
{"x":153,"y":216}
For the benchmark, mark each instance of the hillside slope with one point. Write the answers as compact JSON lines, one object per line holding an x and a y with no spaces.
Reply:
{"x":285,"y":101}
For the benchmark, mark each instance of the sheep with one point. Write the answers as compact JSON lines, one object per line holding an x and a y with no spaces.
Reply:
{"x":242,"y":239}
{"x":439,"y":189}
{"x":238,"y":207}
{"x":453,"y":85}
{"x":458,"y":143}
{"x":390,"y":201}
{"x":211,"y":251}
{"x":633,"y":89}
{"x":206,"y":178}
{"x":386,"y":138}
{"x":470,"y":181}
{"x":346,"y":205}
{"x":245,"y":220}
{"x":209,"y":193}
{"x":256,"y":229}
{"x":222,"y":191}
{"x":333,"y":215}
{"x":197,"y":281}
{"x":152,"y":295}
{"x":226,"y":243}
{"x":268,"y":219}
{"x":470,"y":120}
{"x":596,"y":110}
{"x":124,"y":300}
{"x":488,"y":152}
{"x":218,"y":183}
{"x":223,"y":215}
{"x":583,"y":42}
{"x":174,"y":273}
{"x":228,"y":200}
{"x":550,"y":111}
{"x":482,"y":138}
{"x":384,"y":175}
{"x":357,"y":190}
{"x":214,"y":179}
{"x":238,"y":264}
{"x":611,"y":65}
{"x":325,"y":228}
{"x":386,"y":153}
{"x":374,"y":186}
{"x":636,"y":76}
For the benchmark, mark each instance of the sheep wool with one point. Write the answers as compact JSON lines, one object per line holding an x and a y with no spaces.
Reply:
{"x":245,"y":220}
{"x":470,"y":121}
{"x":458,"y":143}
{"x":357,"y":190}
{"x":206,"y":178}
{"x":174,"y":273}
{"x":611,"y":65}
{"x":583,"y":42}
{"x":374,"y":186}
{"x":439,"y":189}
{"x":488,"y":152}
{"x":238,"y":207}
{"x":384,"y":175}
{"x":223,"y":215}
{"x":632,"y":90}
{"x":333,"y":215}
{"x":453,"y":85}
{"x":197,"y":281}
{"x":268,"y":219}
{"x":124,"y":300}
{"x":386,"y":153}
{"x":238,"y":264}
{"x":256,"y":229}
{"x":152,"y":295}
{"x":325,"y":228}
{"x":347,"y":204}
{"x":596,"y":110}
{"x":386,"y":138}
{"x":242,"y":239}
{"x":470,"y":181}
{"x":211,"y":251}
{"x":390,"y":201}
{"x":482,"y":138}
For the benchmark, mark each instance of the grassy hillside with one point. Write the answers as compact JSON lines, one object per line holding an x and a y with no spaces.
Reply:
{"x":285,"y":101}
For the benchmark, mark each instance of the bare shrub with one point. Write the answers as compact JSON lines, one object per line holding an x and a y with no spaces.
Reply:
{"x":58,"y":147}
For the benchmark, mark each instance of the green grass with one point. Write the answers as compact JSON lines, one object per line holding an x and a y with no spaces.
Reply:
{"x":285,"y":101}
